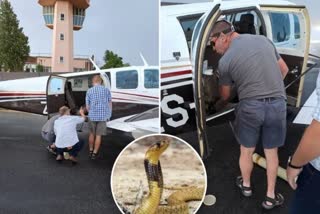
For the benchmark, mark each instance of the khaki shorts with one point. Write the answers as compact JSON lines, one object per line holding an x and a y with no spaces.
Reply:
{"x":97,"y":127}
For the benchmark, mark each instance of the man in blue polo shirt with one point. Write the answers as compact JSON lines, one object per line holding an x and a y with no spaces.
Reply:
{"x":99,"y":106}
{"x":305,"y":163}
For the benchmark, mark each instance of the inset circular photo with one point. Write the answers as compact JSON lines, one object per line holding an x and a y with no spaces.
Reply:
{"x":158,"y":174}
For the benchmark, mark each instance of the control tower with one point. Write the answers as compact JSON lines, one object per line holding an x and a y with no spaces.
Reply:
{"x":63,"y":17}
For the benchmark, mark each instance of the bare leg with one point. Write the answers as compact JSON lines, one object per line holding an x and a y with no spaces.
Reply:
{"x":246,"y":164}
{"x":97,"y":144}
{"x":91,"y":141}
{"x":272,"y":168}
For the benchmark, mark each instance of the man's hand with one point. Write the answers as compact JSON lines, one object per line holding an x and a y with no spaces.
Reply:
{"x":225,"y":91}
{"x":81,"y":112}
{"x":292,"y":174}
{"x":69,"y":148}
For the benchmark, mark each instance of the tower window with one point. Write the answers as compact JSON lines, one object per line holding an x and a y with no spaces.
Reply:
{"x":62,"y":17}
{"x":61,"y":59}
{"x":61,"y":36}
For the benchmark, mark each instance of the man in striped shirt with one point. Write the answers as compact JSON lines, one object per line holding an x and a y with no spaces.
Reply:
{"x":99,"y":106}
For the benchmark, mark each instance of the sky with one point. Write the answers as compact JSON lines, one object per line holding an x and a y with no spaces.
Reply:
{"x":122,"y":26}
{"x":127,"y":28}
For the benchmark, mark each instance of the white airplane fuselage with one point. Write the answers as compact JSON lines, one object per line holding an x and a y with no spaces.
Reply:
{"x":134,"y":90}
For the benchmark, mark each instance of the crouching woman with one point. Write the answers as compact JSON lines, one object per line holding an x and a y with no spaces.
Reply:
{"x":65,"y":128}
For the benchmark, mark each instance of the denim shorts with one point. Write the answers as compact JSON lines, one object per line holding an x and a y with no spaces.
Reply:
{"x":263,"y":119}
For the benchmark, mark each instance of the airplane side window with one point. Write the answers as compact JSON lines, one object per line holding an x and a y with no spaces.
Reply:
{"x":296,"y":27}
{"x":280,"y":24}
{"x":56,"y":86}
{"x":77,"y":83}
{"x":109,"y":77}
{"x":151,"y":78}
{"x":188,"y":24}
{"x":127,"y":79}
{"x":246,"y":22}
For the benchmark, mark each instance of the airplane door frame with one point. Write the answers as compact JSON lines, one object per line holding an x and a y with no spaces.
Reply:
{"x":293,"y":9}
{"x":55,"y":99}
{"x":106,"y":80}
{"x":199,"y":43}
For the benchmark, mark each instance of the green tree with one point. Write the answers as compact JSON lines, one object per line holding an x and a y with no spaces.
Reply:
{"x":14,"y":48}
{"x":39,"y":68}
{"x":112,"y":60}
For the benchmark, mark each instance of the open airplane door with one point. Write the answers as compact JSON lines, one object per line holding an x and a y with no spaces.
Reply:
{"x":55,"y":94}
{"x":106,"y":80}
{"x":289,"y":29}
{"x":292,"y":43}
{"x":198,"y":44}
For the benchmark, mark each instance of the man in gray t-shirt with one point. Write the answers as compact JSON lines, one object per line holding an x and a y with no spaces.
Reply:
{"x":252,"y":65}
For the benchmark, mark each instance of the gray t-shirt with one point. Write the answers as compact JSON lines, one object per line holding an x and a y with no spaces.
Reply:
{"x":48,"y":126}
{"x":251,"y":64}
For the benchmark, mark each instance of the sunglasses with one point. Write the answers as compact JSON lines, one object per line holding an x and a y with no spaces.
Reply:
{"x":218,"y":34}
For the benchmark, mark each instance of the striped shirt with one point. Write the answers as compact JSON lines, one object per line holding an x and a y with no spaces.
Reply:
{"x":98,"y":98}
{"x":316,"y":115}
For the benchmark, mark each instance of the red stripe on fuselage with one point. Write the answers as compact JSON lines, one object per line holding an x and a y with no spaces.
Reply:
{"x":139,"y":95}
{"x":20,"y":94}
{"x":176,"y":73}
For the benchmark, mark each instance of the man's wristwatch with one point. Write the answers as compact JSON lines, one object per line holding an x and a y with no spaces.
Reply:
{"x":293,"y":166}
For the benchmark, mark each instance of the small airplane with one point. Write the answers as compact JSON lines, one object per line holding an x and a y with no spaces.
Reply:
{"x":190,"y":100}
{"x":134,"y":89}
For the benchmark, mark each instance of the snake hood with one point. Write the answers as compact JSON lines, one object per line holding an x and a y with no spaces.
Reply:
{"x":154,"y":151}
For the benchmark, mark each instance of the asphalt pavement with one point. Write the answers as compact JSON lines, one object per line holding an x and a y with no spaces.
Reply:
{"x":31,"y":181}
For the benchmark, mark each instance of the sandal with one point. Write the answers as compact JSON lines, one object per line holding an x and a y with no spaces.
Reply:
{"x":94,"y":156}
{"x":51,"y":150}
{"x":90,"y":153}
{"x":246,"y":191}
{"x":59,"y":158}
{"x":276,"y":201}
{"x":73,"y":160}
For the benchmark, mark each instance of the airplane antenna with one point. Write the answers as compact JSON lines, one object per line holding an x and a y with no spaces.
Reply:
{"x":144,"y":60}
{"x":94,"y":64}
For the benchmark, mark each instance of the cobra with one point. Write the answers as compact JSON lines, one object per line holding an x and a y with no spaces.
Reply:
{"x":176,"y":201}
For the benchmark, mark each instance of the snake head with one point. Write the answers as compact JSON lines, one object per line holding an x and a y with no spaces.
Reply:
{"x":156,"y":149}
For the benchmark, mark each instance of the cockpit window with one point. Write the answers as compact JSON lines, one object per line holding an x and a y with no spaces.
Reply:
{"x":151,"y":78}
{"x":127,"y":79}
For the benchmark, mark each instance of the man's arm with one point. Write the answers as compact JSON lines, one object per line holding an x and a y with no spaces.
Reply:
{"x":309,"y":146}
{"x":87,"y":101}
{"x":110,"y":106}
{"x":308,"y":149}
{"x":283,"y":67}
{"x":225,"y":91}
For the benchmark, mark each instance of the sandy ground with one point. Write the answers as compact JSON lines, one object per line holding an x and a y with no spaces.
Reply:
{"x":181,"y":167}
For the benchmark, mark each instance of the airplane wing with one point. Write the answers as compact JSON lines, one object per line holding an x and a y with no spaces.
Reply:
{"x":139,"y":124}
{"x":305,"y":114}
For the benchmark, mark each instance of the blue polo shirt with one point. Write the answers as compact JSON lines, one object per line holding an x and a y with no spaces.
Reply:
{"x":98,"y":98}
{"x":316,"y":115}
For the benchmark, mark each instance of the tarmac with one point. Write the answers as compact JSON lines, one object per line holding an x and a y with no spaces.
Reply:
{"x":32,"y":181}
{"x":223,"y":168}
